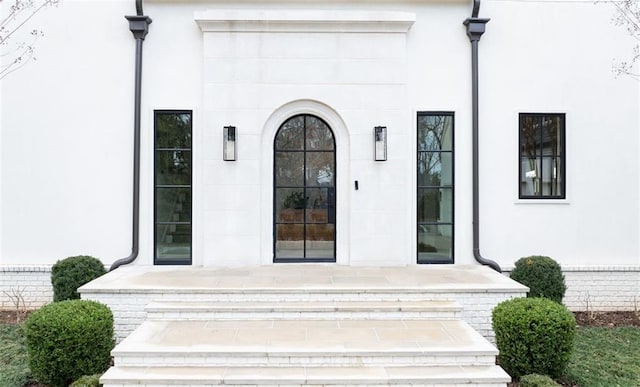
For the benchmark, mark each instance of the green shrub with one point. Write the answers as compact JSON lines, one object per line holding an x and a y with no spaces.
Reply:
{"x":88,"y":381}
{"x":69,"y":339}
{"x":542,"y":275}
{"x":535,"y":380}
{"x":68,"y":274}
{"x":533,"y":335}
{"x":14,"y":370}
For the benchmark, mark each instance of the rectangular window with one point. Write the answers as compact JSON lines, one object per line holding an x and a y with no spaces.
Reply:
{"x":172,"y":187}
{"x":435,"y":187}
{"x":542,"y":156}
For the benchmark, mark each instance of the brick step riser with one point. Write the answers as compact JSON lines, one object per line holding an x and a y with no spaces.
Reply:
{"x":216,"y":383}
{"x":259,"y":315}
{"x":346,"y":360}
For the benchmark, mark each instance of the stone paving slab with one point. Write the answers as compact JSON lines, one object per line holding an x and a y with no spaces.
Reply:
{"x":300,"y":337}
{"x":415,"y":375}
{"x":301,"y":277}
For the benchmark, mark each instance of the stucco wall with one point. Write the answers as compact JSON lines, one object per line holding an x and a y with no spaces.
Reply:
{"x":66,"y":146}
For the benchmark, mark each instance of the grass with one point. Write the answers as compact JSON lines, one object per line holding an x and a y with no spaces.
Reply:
{"x":14,"y":368}
{"x":606,"y":357}
{"x":602,"y":357}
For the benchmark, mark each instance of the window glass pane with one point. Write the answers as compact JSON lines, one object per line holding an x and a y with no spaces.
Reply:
{"x":435,"y":243}
{"x":435,"y":169}
{"x":290,"y":205}
{"x":291,"y":135}
{"x":551,"y":176}
{"x":173,"y":242}
{"x":319,"y":136}
{"x":530,"y":172}
{"x":289,"y":169}
{"x":320,"y":169}
{"x":435,"y":205}
{"x":289,"y":240}
{"x":435,"y":132}
{"x":551,"y":135}
{"x":173,"y":204}
{"x":173,"y":167}
{"x":530,"y":129}
{"x":428,"y":205}
{"x":320,"y":240}
{"x":173,"y":130}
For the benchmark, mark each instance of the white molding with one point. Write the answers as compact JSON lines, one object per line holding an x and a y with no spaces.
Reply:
{"x":303,"y":21}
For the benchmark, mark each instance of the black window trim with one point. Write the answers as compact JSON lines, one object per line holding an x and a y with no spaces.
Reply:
{"x":453,"y":190}
{"x":183,"y":261}
{"x":563,"y":157}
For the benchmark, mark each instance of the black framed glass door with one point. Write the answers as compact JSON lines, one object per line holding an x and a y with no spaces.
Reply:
{"x":304,"y":219}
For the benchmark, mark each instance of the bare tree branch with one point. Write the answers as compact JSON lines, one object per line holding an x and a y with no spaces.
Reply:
{"x":16,"y":54}
{"x":628,"y":16}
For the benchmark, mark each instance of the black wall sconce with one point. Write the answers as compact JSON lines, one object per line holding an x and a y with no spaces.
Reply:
{"x":380,"y":143}
{"x":229,"y":143}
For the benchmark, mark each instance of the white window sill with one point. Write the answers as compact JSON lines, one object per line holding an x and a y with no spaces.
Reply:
{"x":543,"y":201}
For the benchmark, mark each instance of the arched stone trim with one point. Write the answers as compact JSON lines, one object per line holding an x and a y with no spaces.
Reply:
{"x":339,"y":128}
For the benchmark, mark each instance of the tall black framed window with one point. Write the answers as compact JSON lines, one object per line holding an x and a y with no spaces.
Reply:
{"x":435,"y":187}
{"x":542,"y":156}
{"x":304,"y":181}
{"x":172,"y":187}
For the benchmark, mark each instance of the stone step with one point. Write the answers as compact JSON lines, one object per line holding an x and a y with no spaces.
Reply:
{"x":393,"y":309}
{"x":485,"y":376}
{"x":304,"y":343}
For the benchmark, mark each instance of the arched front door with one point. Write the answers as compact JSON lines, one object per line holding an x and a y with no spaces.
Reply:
{"x":304,"y":185}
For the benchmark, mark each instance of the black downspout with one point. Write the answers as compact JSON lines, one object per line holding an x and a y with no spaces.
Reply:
{"x":475,"y":29}
{"x":139,"y":26}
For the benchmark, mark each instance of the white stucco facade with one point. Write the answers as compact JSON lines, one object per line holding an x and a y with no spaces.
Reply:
{"x":67,"y":124}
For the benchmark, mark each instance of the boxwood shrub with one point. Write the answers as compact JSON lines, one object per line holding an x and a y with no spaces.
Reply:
{"x":535,"y":380}
{"x":68,"y":274}
{"x":69,"y":339}
{"x":88,"y":381}
{"x":533,"y":335}
{"x":542,"y":275}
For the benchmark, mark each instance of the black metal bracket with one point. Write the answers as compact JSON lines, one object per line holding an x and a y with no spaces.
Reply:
{"x":139,"y":26}
{"x":475,"y":27}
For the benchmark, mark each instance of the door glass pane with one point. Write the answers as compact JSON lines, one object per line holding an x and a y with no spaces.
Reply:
{"x":290,"y":205}
{"x":173,"y":167}
{"x":289,"y":169}
{"x":435,"y":243}
{"x":320,"y":169}
{"x":291,"y":135}
{"x":319,"y":136}
{"x":289,"y":241}
{"x":320,"y":240}
{"x":317,"y":205}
